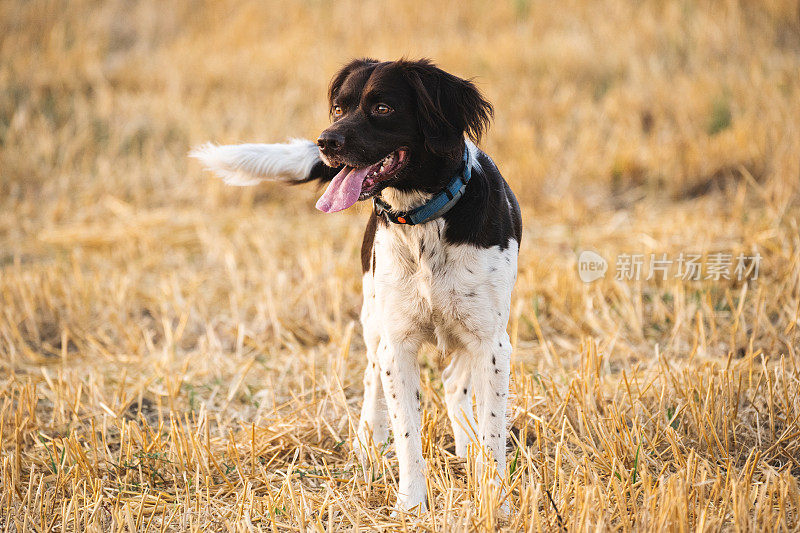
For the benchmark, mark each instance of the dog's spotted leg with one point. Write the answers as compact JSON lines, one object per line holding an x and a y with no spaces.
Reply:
{"x":457,"y":379}
{"x":373,"y":426}
{"x":400,"y":377}
{"x":493,"y":369}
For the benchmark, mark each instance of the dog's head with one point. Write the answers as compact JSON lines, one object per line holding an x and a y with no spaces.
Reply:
{"x":394,"y":123}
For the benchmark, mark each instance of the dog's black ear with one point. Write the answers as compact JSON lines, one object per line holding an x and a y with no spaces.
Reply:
{"x":338,"y":79}
{"x":447,"y":107}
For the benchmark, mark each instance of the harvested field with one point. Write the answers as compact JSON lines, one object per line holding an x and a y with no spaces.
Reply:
{"x":177,"y":354}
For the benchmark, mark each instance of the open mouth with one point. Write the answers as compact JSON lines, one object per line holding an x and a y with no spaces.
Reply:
{"x":382,"y":171}
{"x":353,"y":184}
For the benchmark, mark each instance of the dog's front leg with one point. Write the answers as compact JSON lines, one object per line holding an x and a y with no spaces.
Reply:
{"x":400,"y":377}
{"x":491,"y":382}
{"x":373,"y":426}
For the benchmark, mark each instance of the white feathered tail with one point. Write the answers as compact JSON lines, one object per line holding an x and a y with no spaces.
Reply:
{"x":248,"y":164}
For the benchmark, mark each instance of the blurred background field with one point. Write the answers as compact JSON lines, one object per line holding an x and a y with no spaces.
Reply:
{"x":176,"y":354}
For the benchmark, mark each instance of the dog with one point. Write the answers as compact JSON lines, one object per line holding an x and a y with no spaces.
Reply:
{"x":439,"y":255}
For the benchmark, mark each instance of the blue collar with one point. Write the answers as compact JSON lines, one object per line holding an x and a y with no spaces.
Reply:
{"x":437,"y":206}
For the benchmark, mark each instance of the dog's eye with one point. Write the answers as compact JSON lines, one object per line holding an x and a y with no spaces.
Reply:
{"x":382,"y":109}
{"x":337,"y":111}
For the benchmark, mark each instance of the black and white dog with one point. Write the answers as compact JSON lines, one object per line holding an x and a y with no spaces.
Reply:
{"x":439,"y":255}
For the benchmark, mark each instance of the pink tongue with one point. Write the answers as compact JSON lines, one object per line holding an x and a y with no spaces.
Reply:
{"x":344,"y":190}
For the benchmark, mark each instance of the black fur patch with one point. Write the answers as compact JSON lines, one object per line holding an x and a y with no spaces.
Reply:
{"x":488,"y":214}
{"x":367,"y":255}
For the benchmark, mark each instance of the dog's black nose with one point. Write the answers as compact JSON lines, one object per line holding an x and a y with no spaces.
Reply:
{"x":330,"y":141}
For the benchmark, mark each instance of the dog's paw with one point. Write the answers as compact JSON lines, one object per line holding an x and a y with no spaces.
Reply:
{"x":369,"y":456}
{"x":361,"y":451}
{"x":413,"y":500}
{"x":403,"y":509}
{"x":504,"y":511}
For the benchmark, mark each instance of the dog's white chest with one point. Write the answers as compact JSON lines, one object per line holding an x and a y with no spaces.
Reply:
{"x":443,"y":292}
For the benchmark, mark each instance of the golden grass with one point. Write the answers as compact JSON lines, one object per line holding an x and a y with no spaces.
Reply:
{"x":180,"y":355}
